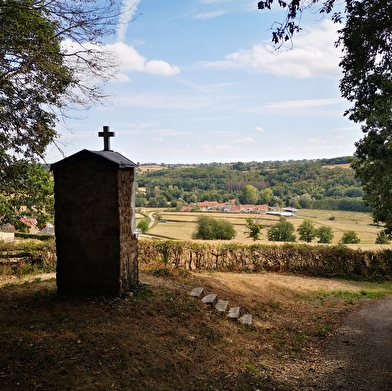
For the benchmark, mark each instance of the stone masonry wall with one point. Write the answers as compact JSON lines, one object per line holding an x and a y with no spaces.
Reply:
{"x":128,"y":241}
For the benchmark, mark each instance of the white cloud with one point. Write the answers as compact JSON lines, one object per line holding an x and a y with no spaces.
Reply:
{"x":118,"y":58}
{"x":317,"y":141}
{"x":291,"y":105}
{"x":216,"y":1}
{"x":164,"y":101}
{"x":128,"y":10}
{"x":246,"y":140}
{"x":221,"y":148}
{"x":313,"y":55}
{"x":259,"y":129}
{"x":130,"y":60}
{"x":304,"y":103}
{"x":210,"y":15}
{"x":159,"y":67}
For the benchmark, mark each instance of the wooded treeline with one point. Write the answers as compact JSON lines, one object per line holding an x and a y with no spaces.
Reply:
{"x":318,"y":184}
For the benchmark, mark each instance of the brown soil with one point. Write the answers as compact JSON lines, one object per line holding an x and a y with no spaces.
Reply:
{"x":160,"y":338}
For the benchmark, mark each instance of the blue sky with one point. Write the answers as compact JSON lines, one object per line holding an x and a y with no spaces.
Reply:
{"x":200,"y":82}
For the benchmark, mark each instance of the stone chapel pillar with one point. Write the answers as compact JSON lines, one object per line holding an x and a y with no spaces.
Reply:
{"x":96,"y":239}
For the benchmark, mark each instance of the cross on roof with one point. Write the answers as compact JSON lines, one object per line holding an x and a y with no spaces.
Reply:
{"x":106,"y":134}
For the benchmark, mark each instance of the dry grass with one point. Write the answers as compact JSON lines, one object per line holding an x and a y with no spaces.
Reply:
{"x":181,"y":225}
{"x":344,"y":165}
{"x":150,"y":167}
{"x":162,"y":339}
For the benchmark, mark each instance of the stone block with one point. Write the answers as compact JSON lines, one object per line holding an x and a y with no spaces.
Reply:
{"x":234,"y":313}
{"x":197,"y":292}
{"x":246,"y":319}
{"x":210,"y":299}
{"x":221,"y":305}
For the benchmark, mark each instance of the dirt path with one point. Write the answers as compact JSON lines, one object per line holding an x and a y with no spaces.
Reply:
{"x":358,"y":357}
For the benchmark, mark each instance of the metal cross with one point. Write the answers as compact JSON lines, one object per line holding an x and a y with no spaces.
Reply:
{"x":106,"y":134}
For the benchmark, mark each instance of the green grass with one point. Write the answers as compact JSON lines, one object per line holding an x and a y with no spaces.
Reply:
{"x":374,"y":291}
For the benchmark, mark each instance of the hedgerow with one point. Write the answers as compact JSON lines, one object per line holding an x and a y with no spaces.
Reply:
{"x":337,"y":261}
{"x":27,"y":257}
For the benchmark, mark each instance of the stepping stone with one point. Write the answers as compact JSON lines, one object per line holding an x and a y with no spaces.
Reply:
{"x":234,"y":313}
{"x":221,"y":305}
{"x":246,"y":319}
{"x":196,"y":292}
{"x":210,"y":299}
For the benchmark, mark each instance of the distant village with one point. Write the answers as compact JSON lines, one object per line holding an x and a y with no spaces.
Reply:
{"x":8,"y":230}
{"x":232,"y":207}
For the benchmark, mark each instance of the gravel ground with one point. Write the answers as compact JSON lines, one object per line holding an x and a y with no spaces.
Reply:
{"x":357,"y":357}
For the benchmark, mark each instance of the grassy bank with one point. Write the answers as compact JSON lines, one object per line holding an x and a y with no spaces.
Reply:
{"x":160,"y":338}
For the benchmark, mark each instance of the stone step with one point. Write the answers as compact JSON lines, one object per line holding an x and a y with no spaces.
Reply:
{"x":221,"y":305}
{"x":234,"y":313}
{"x":246,"y":319}
{"x":197,"y":292}
{"x":210,"y":299}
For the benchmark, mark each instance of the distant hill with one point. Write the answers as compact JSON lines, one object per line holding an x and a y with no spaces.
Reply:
{"x":321,"y":184}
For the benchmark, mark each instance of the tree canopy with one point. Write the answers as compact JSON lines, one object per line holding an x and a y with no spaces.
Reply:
{"x":26,"y":189}
{"x":209,"y":228}
{"x":307,"y":231}
{"x":300,"y":184}
{"x":283,"y":231}
{"x":50,"y":50}
{"x":366,"y":42}
{"x":324,"y":234}
{"x":254,"y":228}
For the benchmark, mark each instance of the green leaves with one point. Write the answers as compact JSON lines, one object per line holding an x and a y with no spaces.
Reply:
{"x":254,"y":228}
{"x":372,"y":164}
{"x":307,"y":231}
{"x":33,"y":77}
{"x":209,"y":228}
{"x":366,"y":63}
{"x":367,"y":59}
{"x":350,"y":237}
{"x":26,"y":189}
{"x":282,"y":232}
{"x":324,"y":234}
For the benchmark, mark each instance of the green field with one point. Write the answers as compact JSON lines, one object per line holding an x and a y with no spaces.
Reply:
{"x":181,"y":225}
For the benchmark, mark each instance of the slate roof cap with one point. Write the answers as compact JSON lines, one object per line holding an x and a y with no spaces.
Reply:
{"x":107,"y":158}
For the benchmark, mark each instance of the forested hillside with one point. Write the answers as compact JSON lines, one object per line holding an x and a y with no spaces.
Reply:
{"x":321,"y":184}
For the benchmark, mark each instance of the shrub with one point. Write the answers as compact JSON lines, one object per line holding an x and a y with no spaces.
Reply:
{"x":382,"y":238}
{"x":307,"y":231}
{"x":26,"y":235}
{"x":209,"y":228}
{"x":28,"y":256}
{"x":254,"y":228}
{"x":324,"y":234}
{"x":143,"y":225}
{"x":350,"y":237}
{"x":282,"y":231}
